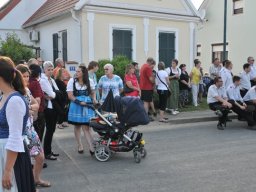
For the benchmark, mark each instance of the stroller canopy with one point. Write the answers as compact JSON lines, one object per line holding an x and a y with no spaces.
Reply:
{"x":130,"y":111}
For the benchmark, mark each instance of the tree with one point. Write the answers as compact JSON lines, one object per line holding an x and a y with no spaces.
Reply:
{"x":13,"y":48}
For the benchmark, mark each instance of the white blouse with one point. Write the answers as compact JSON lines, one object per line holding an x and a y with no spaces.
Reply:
{"x":15,"y":112}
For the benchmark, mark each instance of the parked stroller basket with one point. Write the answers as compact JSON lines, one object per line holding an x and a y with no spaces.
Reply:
{"x":116,"y":135}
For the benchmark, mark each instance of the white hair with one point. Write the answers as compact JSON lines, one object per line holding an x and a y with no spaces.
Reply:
{"x":47,"y":64}
{"x":109,"y":66}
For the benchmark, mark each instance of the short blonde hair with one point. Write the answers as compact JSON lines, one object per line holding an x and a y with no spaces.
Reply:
{"x":109,"y":66}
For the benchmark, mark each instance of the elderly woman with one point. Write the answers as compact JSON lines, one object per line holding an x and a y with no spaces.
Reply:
{"x":131,"y":82}
{"x":50,"y":89}
{"x":109,"y":81}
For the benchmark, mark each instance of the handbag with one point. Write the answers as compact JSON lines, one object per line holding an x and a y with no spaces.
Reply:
{"x":169,"y":91}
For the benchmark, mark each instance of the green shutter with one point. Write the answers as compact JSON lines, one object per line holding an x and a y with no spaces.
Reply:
{"x":166,"y":47}
{"x":64,"y":46}
{"x":122,"y":43}
{"x":55,"y":46}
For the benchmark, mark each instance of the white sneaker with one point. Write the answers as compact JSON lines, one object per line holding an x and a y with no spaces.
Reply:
{"x":177,"y":112}
{"x":174,"y":113}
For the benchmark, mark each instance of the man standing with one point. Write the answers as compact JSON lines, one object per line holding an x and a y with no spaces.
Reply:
{"x":218,"y":101}
{"x":250,"y":60}
{"x":215,"y":69}
{"x":245,"y":79}
{"x":60,"y":65}
{"x":147,"y":81}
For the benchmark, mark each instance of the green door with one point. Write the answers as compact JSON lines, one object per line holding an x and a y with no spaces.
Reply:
{"x":166,"y":47}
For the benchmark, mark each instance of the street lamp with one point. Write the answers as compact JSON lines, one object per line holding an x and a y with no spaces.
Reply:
{"x":225,"y":30}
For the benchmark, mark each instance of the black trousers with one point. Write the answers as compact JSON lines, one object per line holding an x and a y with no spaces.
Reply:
{"x":242,"y":113}
{"x":243,"y":92}
{"x":218,"y":106}
{"x":39,"y":125}
{"x":51,"y":120}
{"x":163,"y":96}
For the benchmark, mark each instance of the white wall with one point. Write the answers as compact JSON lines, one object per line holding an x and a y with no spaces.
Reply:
{"x":73,"y":39}
{"x":14,"y":20}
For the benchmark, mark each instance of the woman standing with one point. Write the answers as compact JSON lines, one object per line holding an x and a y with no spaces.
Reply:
{"x":131,"y":81}
{"x":93,"y":67}
{"x":174,"y":75}
{"x":162,"y":82}
{"x":50,"y":89}
{"x":34,"y":143}
{"x":80,"y":93}
{"x":195,"y":77}
{"x":184,"y":85}
{"x":16,"y":173}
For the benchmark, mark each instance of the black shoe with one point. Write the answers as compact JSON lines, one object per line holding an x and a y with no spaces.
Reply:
{"x":51,"y":157}
{"x":91,"y":153}
{"x":45,"y":165}
{"x":220,"y":127}
{"x":55,"y":154}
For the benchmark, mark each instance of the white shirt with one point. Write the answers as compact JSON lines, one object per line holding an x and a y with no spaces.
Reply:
{"x":253,"y":72}
{"x":233,"y":93}
{"x":176,"y":71}
{"x":214,"y":91}
{"x":245,"y":80}
{"x":251,"y":94}
{"x":214,"y":70}
{"x":47,"y":88}
{"x":15,"y":112}
{"x":162,"y":75}
{"x":226,"y":77}
{"x":78,"y":86}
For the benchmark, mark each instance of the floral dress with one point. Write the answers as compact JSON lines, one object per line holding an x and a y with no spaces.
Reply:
{"x":32,"y":139}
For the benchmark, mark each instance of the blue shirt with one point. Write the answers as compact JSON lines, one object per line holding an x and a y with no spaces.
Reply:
{"x":105,"y":84}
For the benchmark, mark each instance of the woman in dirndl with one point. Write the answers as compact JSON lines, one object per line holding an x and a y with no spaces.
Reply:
{"x":16,"y":171}
{"x":80,"y":93}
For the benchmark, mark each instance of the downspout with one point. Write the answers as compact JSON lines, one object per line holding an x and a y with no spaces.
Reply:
{"x":78,"y":21}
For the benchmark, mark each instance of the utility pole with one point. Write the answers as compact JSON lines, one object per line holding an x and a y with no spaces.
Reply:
{"x":225,"y":31}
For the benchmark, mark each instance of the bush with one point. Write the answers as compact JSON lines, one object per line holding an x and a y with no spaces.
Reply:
{"x":119,"y":63}
{"x":13,"y":48}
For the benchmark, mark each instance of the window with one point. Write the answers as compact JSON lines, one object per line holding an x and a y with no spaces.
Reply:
{"x":64,"y":46}
{"x":122,"y":43}
{"x":198,"y":50}
{"x":238,"y":6}
{"x":217,"y":51}
{"x":55,"y":40}
{"x":166,"y":47}
{"x":60,"y":47}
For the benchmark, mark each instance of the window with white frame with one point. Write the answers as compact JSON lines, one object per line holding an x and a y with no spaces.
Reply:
{"x":166,"y":45}
{"x":238,"y":6}
{"x":218,"y":51}
{"x":122,"y":43}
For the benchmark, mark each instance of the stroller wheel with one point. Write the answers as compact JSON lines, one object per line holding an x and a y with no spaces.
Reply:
{"x":137,"y":156}
{"x":102,"y":153}
{"x":143,"y":152}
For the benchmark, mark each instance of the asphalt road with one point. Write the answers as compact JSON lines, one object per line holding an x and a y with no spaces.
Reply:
{"x":181,"y":158}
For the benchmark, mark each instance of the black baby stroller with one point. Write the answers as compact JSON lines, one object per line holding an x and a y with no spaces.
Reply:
{"x":116,"y":134}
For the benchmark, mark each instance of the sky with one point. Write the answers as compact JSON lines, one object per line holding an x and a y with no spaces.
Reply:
{"x":197,"y":3}
{"x":2,"y":2}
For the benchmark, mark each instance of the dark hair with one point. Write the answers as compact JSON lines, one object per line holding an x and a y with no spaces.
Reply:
{"x":227,"y":63}
{"x":197,"y":61}
{"x":246,"y":65}
{"x":22,"y":68}
{"x":135,"y":63}
{"x":151,"y":61}
{"x":216,"y":79}
{"x":215,"y":59}
{"x":175,"y":61}
{"x":181,"y":66}
{"x":92,"y":64}
{"x":224,"y":62}
{"x":161,"y":65}
{"x":85,"y":76}
{"x":236,"y":78}
{"x":35,"y":71}
{"x":10,"y":75}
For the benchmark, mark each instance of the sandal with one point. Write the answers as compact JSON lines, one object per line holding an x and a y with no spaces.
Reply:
{"x":50,"y":157}
{"x":163,"y":121}
{"x":43,"y":184}
{"x":165,"y":118}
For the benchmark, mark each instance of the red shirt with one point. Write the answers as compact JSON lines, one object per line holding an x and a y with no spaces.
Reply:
{"x":133,"y":79}
{"x":36,"y":91}
{"x":145,"y":74}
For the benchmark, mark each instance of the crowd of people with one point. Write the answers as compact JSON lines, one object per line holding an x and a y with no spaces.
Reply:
{"x":36,"y":97}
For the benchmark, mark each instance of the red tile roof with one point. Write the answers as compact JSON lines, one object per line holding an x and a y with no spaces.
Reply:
{"x":49,"y":10}
{"x":7,"y":8}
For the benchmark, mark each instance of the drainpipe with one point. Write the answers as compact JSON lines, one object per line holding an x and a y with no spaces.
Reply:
{"x":77,"y":20}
